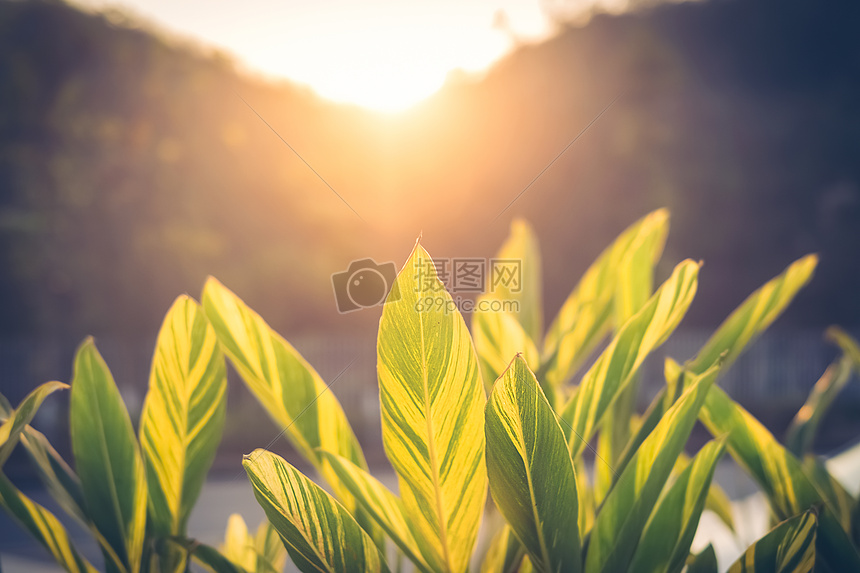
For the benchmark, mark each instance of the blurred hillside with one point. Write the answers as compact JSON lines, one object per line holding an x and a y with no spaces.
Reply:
{"x":130,"y":169}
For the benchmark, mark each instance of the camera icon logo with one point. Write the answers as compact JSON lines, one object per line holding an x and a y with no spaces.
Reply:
{"x":364,"y":284}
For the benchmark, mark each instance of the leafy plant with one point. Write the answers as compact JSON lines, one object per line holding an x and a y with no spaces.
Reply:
{"x":462,"y":415}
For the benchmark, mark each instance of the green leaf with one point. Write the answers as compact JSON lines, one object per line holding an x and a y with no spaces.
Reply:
{"x":848,"y":345}
{"x":58,"y":478}
{"x":522,"y":251}
{"x":777,"y":471}
{"x":788,"y":548}
{"x":238,"y":546}
{"x":530,"y":470}
{"x":585,"y":317}
{"x":669,"y":531}
{"x":290,"y":390}
{"x":634,"y":287}
{"x":801,"y":433}
{"x":647,"y":330}
{"x":318,"y":532}
{"x":623,"y":515}
{"x":18,"y":419}
{"x":505,"y":553}
{"x":44,"y":526}
{"x":271,"y":553}
{"x":213,"y":560}
{"x":108,"y":460}
{"x":498,"y":338}
{"x":753,"y":316}
{"x":183,"y":414}
{"x":703,"y":562}
{"x":432,"y":401}
{"x":385,"y":507}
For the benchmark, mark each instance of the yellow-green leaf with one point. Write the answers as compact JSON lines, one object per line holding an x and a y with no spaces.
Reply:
{"x":238,"y":546}
{"x":292,"y":392}
{"x":44,"y":526}
{"x":788,"y":548}
{"x":703,"y":562}
{"x":778,"y":472}
{"x":633,"y":288}
{"x":668,"y":534}
{"x":618,"y":526}
{"x":108,"y":460}
{"x":385,"y":507}
{"x":517,"y":277}
{"x":530,"y":470}
{"x":58,"y":478}
{"x":498,"y":338}
{"x":801,"y":432}
{"x":505,"y":553}
{"x":586,"y":316}
{"x":432,"y":402}
{"x":271,"y":553}
{"x":848,"y":345}
{"x":647,"y":330}
{"x":213,"y":560}
{"x":17,"y":420}
{"x":318,"y":532}
{"x":753,"y":316}
{"x":183,"y":414}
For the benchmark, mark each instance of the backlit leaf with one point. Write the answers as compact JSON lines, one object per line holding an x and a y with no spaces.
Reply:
{"x":498,"y":338}
{"x":44,"y":526}
{"x":17,"y":419}
{"x":801,"y":433}
{"x":515,"y":275}
{"x":531,"y":475}
{"x":621,"y":518}
{"x":585,"y":317}
{"x":290,"y":390}
{"x":505,"y":553}
{"x":668,"y":534}
{"x":432,"y":402}
{"x":787,"y":548}
{"x":318,"y":532}
{"x":385,"y":507}
{"x":183,"y":414}
{"x":647,"y":330}
{"x":108,"y":460}
{"x":753,"y":316}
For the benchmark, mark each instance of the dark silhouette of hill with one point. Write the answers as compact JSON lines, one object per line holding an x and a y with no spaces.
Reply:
{"x":130,"y":169}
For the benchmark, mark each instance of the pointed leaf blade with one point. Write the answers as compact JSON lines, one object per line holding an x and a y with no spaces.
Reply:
{"x":290,"y":390}
{"x":108,"y":459}
{"x":17,"y":420}
{"x":668,"y":534}
{"x":183,"y":414}
{"x":44,"y":526}
{"x":647,"y":330}
{"x":618,"y":526}
{"x":519,"y":256}
{"x":753,"y":316}
{"x":586,"y":316}
{"x":498,"y":338}
{"x":432,"y":401}
{"x":531,"y":475}
{"x":787,"y":548}
{"x":318,"y":532}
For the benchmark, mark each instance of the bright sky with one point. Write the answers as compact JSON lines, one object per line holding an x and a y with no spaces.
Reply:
{"x":382,"y":54}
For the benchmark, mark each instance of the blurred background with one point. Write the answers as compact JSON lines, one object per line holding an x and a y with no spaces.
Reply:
{"x":131,"y":168}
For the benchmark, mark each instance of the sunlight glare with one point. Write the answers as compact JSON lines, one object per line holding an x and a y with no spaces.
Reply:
{"x":382,"y":54}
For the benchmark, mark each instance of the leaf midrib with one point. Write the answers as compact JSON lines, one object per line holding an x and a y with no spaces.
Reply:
{"x":541,"y":539}
{"x":431,"y":448}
